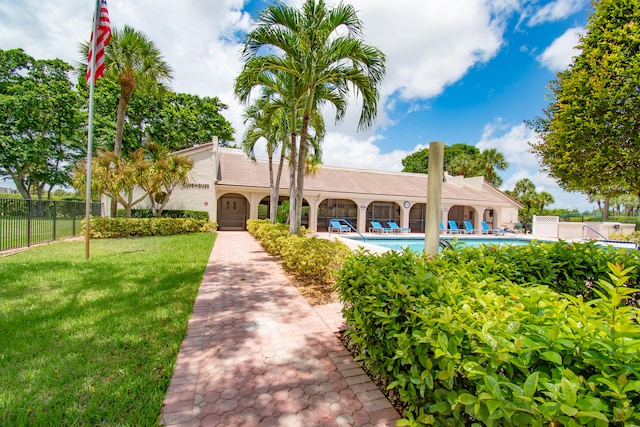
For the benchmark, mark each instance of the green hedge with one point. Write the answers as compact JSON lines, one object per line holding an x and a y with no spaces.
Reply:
{"x":463,"y":345}
{"x":311,"y":259}
{"x":167,"y":213}
{"x":107,"y":228}
{"x":570,"y":268}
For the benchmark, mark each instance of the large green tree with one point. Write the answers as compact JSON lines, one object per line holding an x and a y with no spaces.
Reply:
{"x":418,"y":162}
{"x":590,"y":131}
{"x":41,"y":124}
{"x":461,"y":159}
{"x":184,"y":120}
{"x":174,"y":120}
{"x":322,"y":50}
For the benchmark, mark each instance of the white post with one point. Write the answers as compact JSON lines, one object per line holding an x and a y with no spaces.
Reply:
{"x":434,"y":198}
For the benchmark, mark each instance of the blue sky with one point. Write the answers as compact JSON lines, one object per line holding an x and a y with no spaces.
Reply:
{"x":469,"y":71}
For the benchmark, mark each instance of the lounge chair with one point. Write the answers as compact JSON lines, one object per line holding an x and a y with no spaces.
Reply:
{"x":377,"y":228}
{"x":468,"y":228}
{"x":442,"y":229}
{"x":453,"y":227}
{"x":335,"y":225}
{"x":485,"y":228}
{"x":396,"y":228}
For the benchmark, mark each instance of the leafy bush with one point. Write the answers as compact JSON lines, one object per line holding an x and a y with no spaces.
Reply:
{"x":463,"y":345}
{"x":167,"y":213}
{"x":570,"y":268}
{"x":107,"y":228}
{"x":309,"y":258}
{"x":312,"y":258}
{"x":268,"y":234}
{"x":634,"y":236}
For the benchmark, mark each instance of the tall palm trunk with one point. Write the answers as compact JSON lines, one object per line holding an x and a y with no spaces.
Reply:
{"x":127,"y":86}
{"x":275,"y":188}
{"x":302,"y":155}
{"x":293,"y":211}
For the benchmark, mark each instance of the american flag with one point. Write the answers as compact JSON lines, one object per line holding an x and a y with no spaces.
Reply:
{"x":103,"y":37}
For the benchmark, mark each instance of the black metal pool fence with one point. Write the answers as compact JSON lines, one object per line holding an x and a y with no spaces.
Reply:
{"x":28,"y":222}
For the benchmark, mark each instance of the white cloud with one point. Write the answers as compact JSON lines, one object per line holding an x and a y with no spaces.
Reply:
{"x":343,"y":150}
{"x":556,"y":11}
{"x":430,"y":45}
{"x":561,"y":52}
{"x":512,"y":141}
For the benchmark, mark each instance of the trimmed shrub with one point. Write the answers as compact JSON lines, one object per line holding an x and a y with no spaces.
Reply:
{"x":147,"y":213}
{"x":634,"y":236}
{"x":108,"y":228}
{"x":311,"y":259}
{"x":570,"y":268}
{"x":463,"y":345}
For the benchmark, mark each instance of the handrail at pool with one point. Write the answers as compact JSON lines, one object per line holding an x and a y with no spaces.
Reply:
{"x":346,"y":222}
{"x":591,"y":229}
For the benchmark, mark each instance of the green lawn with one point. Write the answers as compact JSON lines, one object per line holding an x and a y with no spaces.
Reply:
{"x":94,"y":342}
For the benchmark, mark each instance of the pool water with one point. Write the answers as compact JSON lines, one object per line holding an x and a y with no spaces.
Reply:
{"x":416,"y":244}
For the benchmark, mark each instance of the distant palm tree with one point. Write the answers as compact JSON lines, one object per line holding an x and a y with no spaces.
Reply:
{"x":489,"y":161}
{"x":321,"y":50}
{"x":544,"y":200}
{"x":462,"y":164}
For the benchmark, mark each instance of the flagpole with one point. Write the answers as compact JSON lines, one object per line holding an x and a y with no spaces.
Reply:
{"x":92,"y":84}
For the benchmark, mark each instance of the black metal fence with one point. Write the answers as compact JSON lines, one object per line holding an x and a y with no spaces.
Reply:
{"x":28,"y":222}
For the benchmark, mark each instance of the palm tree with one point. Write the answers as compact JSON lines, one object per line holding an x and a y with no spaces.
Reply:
{"x":167,"y":171}
{"x":268,"y":118}
{"x":116,"y":177}
{"x":544,"y":200}
{"x":266,"y":122}
{"x":463,"y":164}
{"x":490,"y":160}
{"x":134,"y":61}
{"x":321,"y":50}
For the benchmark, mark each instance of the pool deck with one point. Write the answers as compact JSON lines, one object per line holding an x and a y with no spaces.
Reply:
{"x":350,"y":238}
{"x":258,"y":354}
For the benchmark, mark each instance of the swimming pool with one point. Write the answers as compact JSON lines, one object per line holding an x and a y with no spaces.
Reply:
{"x":416,"y":244}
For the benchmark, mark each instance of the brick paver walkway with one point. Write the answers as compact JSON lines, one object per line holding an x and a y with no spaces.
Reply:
{"x":257,"y":354}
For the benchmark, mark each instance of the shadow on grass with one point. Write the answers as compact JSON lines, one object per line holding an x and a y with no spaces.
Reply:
{"x":94,"y":342}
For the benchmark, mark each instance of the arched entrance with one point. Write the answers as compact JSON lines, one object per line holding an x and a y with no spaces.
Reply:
{"x":336,"y":208}
{"x":459,"y":214}
{"x":232,"y":212}
{"x":383,"y":212}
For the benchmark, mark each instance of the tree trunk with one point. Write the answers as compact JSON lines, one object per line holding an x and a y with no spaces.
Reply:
{"x":605,"y":210}
{"x":293,"y":213}
{"x":272,"y":210}
{"x":302,"y":156}
{"x":276,"y":188}
{"x":127,"y":86}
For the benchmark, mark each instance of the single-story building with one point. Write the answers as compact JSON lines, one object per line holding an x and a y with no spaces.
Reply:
{"x":233,"y":188}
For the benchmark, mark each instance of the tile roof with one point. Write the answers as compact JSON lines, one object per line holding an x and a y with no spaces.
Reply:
{"x":237,"y":170}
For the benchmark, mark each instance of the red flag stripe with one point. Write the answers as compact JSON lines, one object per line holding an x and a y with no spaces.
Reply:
{"x":103,"y":38}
